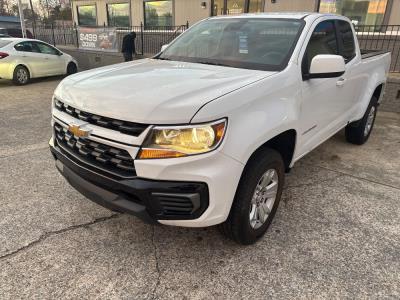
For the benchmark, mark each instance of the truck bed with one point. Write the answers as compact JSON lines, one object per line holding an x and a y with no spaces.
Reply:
{"x":371,"y":53}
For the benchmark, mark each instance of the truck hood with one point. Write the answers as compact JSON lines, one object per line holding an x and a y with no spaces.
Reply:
{"x":152,"y":91}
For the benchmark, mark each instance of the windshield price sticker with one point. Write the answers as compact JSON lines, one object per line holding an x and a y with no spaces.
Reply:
{"x":243,"y":43}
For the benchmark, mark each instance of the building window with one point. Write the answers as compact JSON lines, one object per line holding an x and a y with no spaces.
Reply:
{"x":118,"y":14}
{"x":87,"y":15}
{"x":360,"y":12}
{"x":158,"y":13}
{"x":233,"y":7}
{"x":256,"y":6}
{"x":218,"y":7}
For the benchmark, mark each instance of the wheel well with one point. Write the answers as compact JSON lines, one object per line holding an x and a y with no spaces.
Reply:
{"x":378,"y":91}
{"x":21,"y":65}
{"x":284,"y":143}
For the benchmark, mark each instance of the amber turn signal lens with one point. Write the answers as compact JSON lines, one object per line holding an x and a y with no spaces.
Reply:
{"x":159,"y":153}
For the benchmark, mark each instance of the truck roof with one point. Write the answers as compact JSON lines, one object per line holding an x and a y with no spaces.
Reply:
{"x":278,"y":15}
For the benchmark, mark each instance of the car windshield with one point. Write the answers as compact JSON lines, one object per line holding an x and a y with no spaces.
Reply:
{"x":249,"y":43}
{"x":4,"y":43}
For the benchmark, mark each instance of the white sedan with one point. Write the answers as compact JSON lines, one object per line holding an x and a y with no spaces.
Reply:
{"x":23,"y":59}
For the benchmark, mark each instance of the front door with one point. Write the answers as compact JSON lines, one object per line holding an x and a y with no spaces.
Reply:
{"x":324,"y":107}
{"x":53,"y":63}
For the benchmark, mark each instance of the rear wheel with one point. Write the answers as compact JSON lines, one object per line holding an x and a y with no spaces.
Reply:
{"x":358,"y":132}
{"x":257,"y":198}
{"x":21,"y":75}
{"x":72,"y":68}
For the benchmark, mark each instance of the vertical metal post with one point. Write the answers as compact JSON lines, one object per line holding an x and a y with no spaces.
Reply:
{"x":22,"y":18}
{"x":142,"y":37}
{"x":77,"y":37}
{"x":52,"y":32}
{"x":33,"y":19}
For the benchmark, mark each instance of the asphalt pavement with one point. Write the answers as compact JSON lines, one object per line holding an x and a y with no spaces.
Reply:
{"x":336,"y":233}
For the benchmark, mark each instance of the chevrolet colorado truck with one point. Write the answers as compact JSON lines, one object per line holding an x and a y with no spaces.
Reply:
{"x":203,"y":133}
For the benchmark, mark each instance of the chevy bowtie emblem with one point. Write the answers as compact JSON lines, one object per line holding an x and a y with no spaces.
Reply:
{"x":77,"y":131}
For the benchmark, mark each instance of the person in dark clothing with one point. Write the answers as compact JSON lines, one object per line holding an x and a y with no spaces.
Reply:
{"x":128,"y":46}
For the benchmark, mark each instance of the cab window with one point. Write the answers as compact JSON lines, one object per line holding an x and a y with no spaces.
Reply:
{"x":323,"y":41}
{"x":346,"y":38}
{"x":27,"y":47}
{"x":46,"y":49}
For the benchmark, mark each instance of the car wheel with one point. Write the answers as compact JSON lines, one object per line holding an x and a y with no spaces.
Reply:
{"x":72,"y":68}
{"x":257,"y":198}
{"x":21,"y":75}
{"x":358,"y":132}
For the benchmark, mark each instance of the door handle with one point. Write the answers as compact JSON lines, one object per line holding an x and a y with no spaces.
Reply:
{"x":341,"y":81}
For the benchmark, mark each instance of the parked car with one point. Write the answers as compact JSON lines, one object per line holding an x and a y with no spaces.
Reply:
{"x":15,"y":32}
{"x":23,"y":59}
{"x":203,"y":133}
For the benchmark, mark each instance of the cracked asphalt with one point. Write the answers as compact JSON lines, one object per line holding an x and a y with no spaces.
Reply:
{"x":336,"y":233}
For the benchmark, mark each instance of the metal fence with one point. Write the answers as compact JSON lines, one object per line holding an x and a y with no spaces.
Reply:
{"x":383,"y":37}
{"x":148,"y":39}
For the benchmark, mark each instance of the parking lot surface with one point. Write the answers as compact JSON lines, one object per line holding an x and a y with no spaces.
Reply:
{"x":336,"y":233}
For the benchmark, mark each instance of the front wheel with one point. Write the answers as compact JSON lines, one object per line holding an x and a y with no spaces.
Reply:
{"x":257,"y":198}
{"x":358,"y":132}
{"x":72,"y":68}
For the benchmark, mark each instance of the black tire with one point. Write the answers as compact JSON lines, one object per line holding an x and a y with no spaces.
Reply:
{"x":237,"y":226}
{"x":21,"y":75}
{"x":359,"y":131}
{"x":72,"y":68}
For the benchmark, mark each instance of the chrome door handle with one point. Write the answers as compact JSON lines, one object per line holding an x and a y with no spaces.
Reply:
{"x":340,"y":81}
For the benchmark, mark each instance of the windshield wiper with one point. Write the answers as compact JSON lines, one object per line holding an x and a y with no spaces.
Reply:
{"x":211,"y":63}
{"x":163,"y":58}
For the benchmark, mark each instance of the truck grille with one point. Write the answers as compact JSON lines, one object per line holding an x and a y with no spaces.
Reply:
{"x":102,"y":157}
{"x":125,"y":127}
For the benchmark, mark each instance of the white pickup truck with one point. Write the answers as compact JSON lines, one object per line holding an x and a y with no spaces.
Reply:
{"x":202,"y":133}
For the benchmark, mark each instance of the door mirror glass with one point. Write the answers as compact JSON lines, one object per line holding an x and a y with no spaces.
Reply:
{"x":326,"y":66}
{"x":163,"y":47}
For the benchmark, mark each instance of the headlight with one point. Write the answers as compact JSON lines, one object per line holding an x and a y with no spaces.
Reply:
{"x":178,"y":141}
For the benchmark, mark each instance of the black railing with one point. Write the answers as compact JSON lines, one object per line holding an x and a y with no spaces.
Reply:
{"x":382,"y":37}
{"x":149,"y":39}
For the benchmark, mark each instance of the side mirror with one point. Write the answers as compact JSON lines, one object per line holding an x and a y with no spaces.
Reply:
{"x":163,"y":47}
{"x":326,"y":66}
{"x":59,"y":53}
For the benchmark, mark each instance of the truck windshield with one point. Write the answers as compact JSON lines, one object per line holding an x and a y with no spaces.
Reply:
{"x":249,"y":43}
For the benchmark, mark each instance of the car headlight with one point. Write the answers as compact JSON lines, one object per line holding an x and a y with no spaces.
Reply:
{"x":178,"y":141}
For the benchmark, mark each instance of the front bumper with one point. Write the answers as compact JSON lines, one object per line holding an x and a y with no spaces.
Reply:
{"x":150,"y":200}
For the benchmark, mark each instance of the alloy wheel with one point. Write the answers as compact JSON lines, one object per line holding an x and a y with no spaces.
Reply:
{"x":263,"y":199}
